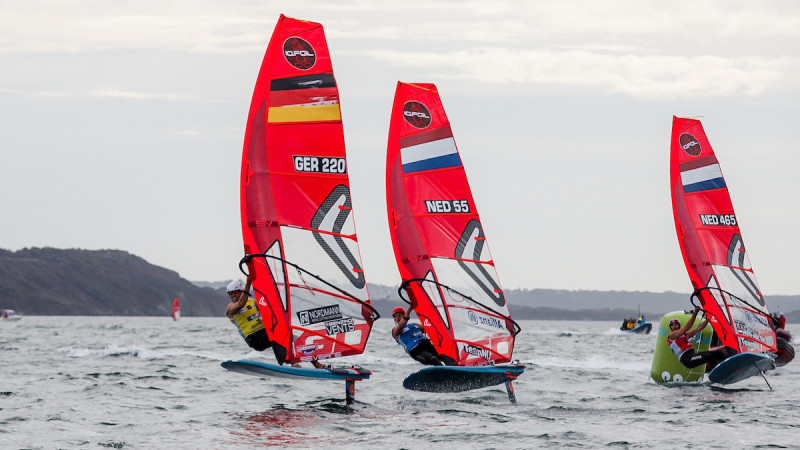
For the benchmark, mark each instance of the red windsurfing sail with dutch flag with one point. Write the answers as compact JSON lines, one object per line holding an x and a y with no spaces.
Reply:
{"x":297,"y":218}
{"x":712,"y":245}
{"x":438,"y":239}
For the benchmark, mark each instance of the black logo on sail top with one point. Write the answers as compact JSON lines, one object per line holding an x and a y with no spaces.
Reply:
{"x":417,"y":114}
{"x":299,"y":53}
{"x":689,"y":144}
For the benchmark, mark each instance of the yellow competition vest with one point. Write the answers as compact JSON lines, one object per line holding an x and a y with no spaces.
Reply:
{"x":247,"y":319}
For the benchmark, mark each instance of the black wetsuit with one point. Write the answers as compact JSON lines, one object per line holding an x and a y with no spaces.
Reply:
{"x":692,"y":359}
{"x":258,"y":341}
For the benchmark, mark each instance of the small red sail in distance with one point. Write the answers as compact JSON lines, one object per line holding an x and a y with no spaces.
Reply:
{"x":176,"y":309}
{"x":296,"y":209}
{"x":711,"y":243}
{"x":438,"y":240}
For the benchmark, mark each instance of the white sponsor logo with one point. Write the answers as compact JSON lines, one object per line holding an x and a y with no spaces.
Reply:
{"x":478,"y":351}
{"x":339,"y":326}
{"x":293,"y":53}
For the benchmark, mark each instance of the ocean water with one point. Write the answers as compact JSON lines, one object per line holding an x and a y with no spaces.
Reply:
{"x":149,"y":382}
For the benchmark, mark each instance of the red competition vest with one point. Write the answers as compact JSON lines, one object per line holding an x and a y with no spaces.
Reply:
{"x":679,"y":345}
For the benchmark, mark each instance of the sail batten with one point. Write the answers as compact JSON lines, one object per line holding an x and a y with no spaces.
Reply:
{"x":440,"y":248}
{"x":297,"y":219}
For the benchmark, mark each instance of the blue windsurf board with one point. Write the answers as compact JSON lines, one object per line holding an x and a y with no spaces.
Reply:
{"x":741,"y":366}
{"x":273,"y":370}
{"x":461,"y":378}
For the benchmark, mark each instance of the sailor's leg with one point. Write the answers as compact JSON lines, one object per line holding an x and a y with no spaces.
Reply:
{"x":350,"y":391}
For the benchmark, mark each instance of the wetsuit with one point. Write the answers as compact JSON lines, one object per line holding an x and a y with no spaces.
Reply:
{"x":248,"y":321}
{"x":418,"y":346}
{"x":685,"y":353}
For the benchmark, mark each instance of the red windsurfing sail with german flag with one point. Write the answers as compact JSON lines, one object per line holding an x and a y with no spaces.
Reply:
{"x":438,"y":239}
{"x":712,"y":245}
{"x":297,"y":218}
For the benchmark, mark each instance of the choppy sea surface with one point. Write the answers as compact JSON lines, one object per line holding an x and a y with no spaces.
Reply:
{"x":149,"y":382}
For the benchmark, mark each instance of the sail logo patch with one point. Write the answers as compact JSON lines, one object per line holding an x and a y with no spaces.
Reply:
{"x":689,"y":144}
{"x":417,"y":114}
{"x":318,"y":164}
{"x":492,"y":322}
{"x":304,"y":98}
{"x":701,"y":174}
{"x":728,"y":220}
{"x":331,"y":217}
{"x":299,"y":53}
{"x":470,"y":249}
{"x":478,"y":351}
{"x":429,"y":150}
{"x":447,"y":206}
{"x":339,"y":326}
{"x":308,"y":349}
{"x":317,"y":315}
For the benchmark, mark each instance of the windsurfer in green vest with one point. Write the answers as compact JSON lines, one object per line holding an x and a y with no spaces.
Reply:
{"x":678,"y":340}
{"x":413,"y":339}
{"x":243,"y":312}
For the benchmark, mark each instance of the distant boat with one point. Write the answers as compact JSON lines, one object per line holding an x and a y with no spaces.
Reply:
{"x":638,"y":326}
{"x":176,"y":309}
{"x":10,"y":314}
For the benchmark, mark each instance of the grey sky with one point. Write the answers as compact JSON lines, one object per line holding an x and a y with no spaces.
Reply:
{"x":121,"y":126}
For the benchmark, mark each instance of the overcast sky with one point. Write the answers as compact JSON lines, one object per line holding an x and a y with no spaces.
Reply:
{"x":121,"y":126}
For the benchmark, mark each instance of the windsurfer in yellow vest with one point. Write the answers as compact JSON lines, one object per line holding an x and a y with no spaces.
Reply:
{"x":678,"y":340}
{"x":243,"y":312}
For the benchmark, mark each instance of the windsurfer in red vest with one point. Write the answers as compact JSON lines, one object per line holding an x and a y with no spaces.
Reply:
{"x":678,"y":340}
{"x":243,"y":312}
{"x":413,"y":339}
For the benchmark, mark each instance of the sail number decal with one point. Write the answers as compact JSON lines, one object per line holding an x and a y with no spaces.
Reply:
{"x":318,"y":164}
{"x":447,"y":206}
{"x":728,"y":220}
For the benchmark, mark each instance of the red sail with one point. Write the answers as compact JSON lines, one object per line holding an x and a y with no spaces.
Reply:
{"x":437,"y":235}
{"x":711,"y":243}
{"x":176,"y":309}
{"x":295,"y":203}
